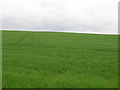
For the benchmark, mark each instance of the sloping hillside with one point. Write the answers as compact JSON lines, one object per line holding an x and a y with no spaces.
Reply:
{"x":59,"y":60}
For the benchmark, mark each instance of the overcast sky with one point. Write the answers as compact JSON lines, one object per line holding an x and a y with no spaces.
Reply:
{"x":100,"y":16}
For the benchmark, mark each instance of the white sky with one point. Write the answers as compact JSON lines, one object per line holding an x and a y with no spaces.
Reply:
{"x":100,"y":16}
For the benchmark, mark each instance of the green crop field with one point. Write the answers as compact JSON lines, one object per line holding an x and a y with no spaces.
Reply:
{"x":59,"y":60}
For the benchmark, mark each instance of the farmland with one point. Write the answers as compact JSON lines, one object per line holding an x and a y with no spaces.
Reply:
{"x":59,"y":60}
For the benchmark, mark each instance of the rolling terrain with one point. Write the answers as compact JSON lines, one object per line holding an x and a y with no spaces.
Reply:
{"x":59,"y":60}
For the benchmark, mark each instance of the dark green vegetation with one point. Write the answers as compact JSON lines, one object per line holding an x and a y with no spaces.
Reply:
{"x":59,"y":60}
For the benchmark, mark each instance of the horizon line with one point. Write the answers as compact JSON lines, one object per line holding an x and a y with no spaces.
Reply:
{"x":59,"y":31}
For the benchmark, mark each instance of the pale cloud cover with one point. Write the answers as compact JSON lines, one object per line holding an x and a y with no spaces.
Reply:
{"x":100,"y":16}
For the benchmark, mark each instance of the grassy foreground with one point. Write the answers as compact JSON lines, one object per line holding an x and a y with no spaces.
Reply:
{"x":59,"y":60}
